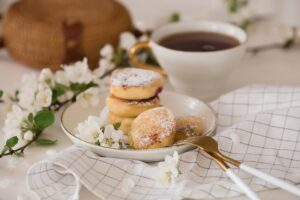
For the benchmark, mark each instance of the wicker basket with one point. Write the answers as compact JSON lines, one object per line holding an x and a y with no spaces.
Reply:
{"x":47,"y":33}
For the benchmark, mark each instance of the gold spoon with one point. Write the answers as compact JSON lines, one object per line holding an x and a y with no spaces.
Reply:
{"x":210,"y":146}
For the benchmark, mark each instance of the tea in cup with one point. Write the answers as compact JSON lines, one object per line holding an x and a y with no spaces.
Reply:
{"x":196,"y":56}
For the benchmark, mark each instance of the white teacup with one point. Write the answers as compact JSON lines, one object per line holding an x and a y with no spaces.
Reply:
{"x":199,"y":74}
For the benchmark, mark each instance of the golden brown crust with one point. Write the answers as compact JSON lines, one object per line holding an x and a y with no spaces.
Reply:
{"x":153,"y":128}
{"x":130,"y":108}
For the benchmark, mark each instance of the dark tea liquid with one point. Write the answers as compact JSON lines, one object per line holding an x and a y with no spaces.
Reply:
{"x":199,"y":41}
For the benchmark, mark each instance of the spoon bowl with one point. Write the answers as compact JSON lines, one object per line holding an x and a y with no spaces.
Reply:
{"x":205,"y":143}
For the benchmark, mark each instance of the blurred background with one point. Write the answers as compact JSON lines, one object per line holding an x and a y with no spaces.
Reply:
{"x":286,"y":11}
{"x":268,"y":23}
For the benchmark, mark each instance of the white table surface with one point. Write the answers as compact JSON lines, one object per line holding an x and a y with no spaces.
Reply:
{"x":272,"y":67}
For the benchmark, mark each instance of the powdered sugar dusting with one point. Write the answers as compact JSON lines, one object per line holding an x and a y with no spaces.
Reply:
{"x":153,"y":126}
{"x":133,"y":77}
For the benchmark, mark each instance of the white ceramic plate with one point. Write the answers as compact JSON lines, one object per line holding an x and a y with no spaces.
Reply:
{"x":181,"y":105}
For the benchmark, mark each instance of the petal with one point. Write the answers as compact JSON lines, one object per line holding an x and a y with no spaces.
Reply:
{"x":107,"y":50}
{"x":116,"y":136}
{"x":175,"y":156}
{"x":109,"y":129}
{"x":101,"y":138}
{"x":168,"y":159}
{"x":104,"y":114}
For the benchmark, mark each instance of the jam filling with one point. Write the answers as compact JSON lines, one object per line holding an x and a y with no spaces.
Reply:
{"x":138,"y":101}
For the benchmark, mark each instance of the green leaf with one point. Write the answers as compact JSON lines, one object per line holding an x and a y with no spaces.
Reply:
{"x":289,"y":43}
{"x":245,"y":24}
{"x":175,"y":17}
{"x":30,"y":117}
{"x":1,"y":93}
{"x":17,"y":93}
{"x":43,"y":119}
{"x":19,"y":154}
{"x":151,"y":60}
{"x":58,"y":90}
{"x":81,"y":87}
{"x":102,"y":128}
{"x":118,"y":56}
{"x":11,"y":142}
{"x":45,"y":142}
{"x":117,"y":125}
{"x":235,"y":5}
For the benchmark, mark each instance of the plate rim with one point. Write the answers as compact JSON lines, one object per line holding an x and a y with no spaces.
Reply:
{"x":209,"y":132}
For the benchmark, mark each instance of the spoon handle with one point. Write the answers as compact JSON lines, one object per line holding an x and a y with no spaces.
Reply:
{"x":240,"y":183}
{"x":271,"y":179}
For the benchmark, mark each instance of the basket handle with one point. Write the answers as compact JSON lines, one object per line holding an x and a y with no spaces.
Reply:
{"x":1,"y":37}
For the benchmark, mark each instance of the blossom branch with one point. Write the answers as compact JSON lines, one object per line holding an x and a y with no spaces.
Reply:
{"x":19,"y":151}
{"x":1,"y":95}
{"x":32,"y":128}
{"x":288,"y":44}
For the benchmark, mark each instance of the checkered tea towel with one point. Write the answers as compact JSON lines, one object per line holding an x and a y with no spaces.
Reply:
{"x":258,"y":125}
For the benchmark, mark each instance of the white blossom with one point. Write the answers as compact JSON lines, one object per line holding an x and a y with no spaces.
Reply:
{"x":111,"y":137}
{"x":46,"y":76}
{"x":90,"y":129}
{"x":15,"y":116}
{"x":43,"y":97}
{"x":98,"y":72}
{"x":144,"y":38}
{"x":104,"y":114}
{"x":26,"y":99}
{"x":28,"y":135}
{"x":169,"y":169}
{"x":141,"y":26}
{"x":107,"y":51}
{"x":104,"y":66}
{"x":29,"y":80}
{"x":78,"y":72}
{"x":13,"y":123}
{"x":65,"y":97}
{"x":27,"y":91}
{"x":127,"y":40}
{"x":105,"y":62}
{"x":61,"y":77}
{"x":89,"y":97}
{"x":103,"y":84}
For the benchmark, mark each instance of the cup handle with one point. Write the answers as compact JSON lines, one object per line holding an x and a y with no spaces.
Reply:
{"x":134,"y":50}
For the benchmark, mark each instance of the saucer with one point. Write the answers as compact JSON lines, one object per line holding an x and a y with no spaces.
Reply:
{"x":180,"y":104}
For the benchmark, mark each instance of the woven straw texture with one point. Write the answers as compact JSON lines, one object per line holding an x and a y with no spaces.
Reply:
{"x":50,"y":33}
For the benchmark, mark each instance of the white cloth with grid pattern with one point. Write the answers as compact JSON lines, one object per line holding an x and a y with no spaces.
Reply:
{"x":265,"y":120}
